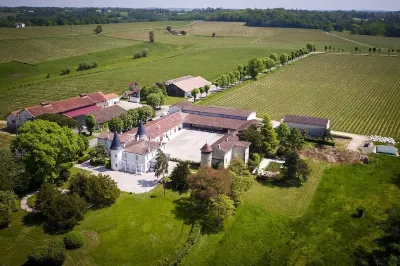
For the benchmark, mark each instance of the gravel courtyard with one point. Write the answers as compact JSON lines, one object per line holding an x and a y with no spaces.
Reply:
{"x":186,"y":144}
{"x":128,"y":182}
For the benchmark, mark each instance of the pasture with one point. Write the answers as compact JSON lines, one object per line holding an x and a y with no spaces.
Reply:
{"x":357,"y":93}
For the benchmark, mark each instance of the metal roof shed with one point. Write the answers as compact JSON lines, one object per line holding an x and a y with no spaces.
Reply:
{"x":391,"y":150}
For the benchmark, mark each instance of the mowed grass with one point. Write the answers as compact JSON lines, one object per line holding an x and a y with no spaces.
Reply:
{"x":326,"y":234}
{"x":136,"y":230}
{"x":357,"y":93}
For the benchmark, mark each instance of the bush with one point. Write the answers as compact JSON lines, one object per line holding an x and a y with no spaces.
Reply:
{"x":73,"y":240}
{"x":97,"y":161}
{"x":87,"y":65}
{"x":48,"y":76}
{"x":145,"y":52}
{"x":65,"y":174}
{"x":137,"y":55}
{"x":65,"y":71}
{"x":321,"y":141}
{"x":183,"y":32}
{"x":108,"y":164}
{"x":52,"y":253}
{"x":84,"y":158}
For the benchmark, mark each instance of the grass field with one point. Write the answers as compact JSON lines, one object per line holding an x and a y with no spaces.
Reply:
{"x":325,"y":235}
{"x":377,"y":41}
{"x":357,"y":93}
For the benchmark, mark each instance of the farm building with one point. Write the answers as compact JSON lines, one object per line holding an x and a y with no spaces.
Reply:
{"x":71,"y":107}
{"x":102,"y":115}
{"x":183,"y":86}
{"x":133,"y":94}
{"x":390,"y":150}
{"x":315,"y":126}
{"x":162,"y":130}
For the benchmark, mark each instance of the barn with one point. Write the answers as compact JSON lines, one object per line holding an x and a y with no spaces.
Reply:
{"x":315,"y":126}
{"x":183,"y":86}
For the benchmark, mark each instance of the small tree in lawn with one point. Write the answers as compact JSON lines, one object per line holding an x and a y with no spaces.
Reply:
{"x":179,"y":176}
{"x":98,"y":29}
{"x":161,"y":167}
{"x":90,"y":122}
{"x":151,"y":36}
{"x":194,"y":93}
{"x":213,"y":34}
{"x":201,"y":89}
{"x":206,"y":89}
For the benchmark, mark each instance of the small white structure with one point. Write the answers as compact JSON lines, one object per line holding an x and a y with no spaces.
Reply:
{"x":315,"y":126}
{"x":206,"y":156}
{"x":111,"y":99}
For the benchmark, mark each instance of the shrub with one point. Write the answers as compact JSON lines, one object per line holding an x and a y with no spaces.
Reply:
{"x":65,"y":71}
{"x":52,"y":253}
{"x":108,"y":164}
{"x":84,"y":158}
{"x":145,"y":52}
{"x":183,"y":32}
{"x":137,"y":55}
{"x":321,"y":141}
{"x":48,"y":76}
{"x":87,"y":65}
{"x":73,"y":240}
{"x":64,"y":174}
{"x":97,"y":161}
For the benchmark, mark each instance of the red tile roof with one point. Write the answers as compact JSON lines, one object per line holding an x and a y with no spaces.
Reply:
{"x":215,"y":122}
{"x":158,"y":127}
{"x":82,"y":111}
{"x":142,"y":147}
{"x":111,"y":96}
{"x":67,"y":105}
{"x":228,"y":141}
{"x":103,"y":115}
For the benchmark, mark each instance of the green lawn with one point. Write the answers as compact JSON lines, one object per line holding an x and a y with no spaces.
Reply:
{"x":357,"y":93}
{"x":273,"y":167}
{"x":326,"y":234}
{"x":136,"y":230}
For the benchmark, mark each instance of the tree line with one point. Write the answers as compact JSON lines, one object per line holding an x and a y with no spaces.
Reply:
{"x":358,"y":22}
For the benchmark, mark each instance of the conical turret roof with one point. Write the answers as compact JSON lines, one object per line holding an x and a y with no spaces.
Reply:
{"x":116,"y":143}
{"x":206,"y":148}
{"x":141,"y":130}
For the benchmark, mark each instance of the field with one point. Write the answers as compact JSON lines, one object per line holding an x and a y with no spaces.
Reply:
{"x":377,"y":41}
{"x":357,"y":93}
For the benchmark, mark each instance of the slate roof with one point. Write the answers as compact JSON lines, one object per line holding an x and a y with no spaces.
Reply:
{"x":142,"y":147}
{"x":67,"y":105}
{"x":103,"y":115}
{"x":307,"y":120}
{"x":229,"y":141}
{"x":189,"y":84}
{"x":115,"y":144}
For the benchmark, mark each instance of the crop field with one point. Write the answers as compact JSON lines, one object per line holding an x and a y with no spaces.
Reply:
{"x":357,"y":93}
{"x":378,"y":41}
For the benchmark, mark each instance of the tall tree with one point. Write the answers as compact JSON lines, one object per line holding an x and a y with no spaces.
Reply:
{"x":309,"y":47}
{"x":44,"y":146}
{"x":283,"y":58}
{"x":274,"y":57}
{"x":179,"y":176}
{"x":90,"y":122}
{"x":194,"y":93}
{"x":7,"y":207}
{"x":116,"y":124}
{"x":161,"y":167}
{"x":201,"y":89}
{"x":12,"y":172}
{"x":206,"y":89}
{"x":295,"y":140}
{"x":270,"y":141}
{"x":151,"y":36}
{"x":254,"y":67}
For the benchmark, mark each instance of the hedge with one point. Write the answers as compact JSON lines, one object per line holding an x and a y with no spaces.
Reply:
{"x":97,"y":161}
{"x":321,"y":141}
{"x":73,"y":240}
{"x":52,"y":253}
{"x":84,"y":158}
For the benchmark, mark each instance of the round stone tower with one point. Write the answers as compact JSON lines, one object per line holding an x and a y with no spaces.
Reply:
{"x":206,"y":156}
{"x":116,"y":152}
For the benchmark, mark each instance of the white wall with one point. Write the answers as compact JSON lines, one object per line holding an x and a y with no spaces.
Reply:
{"x":252,"y":116}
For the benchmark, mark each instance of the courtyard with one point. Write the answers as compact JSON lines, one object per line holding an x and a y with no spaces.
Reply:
{"x":186,"y":144}
{"x":128,"y":182}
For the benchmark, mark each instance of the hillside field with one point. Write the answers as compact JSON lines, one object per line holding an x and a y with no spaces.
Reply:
{"x":357,"y":93}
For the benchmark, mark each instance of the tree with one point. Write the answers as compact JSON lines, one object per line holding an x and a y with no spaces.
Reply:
{"x":44,"y":146}
{"x":374,"y":49}
{"x":327,"y":134}
{"x":90,"y":122}
{"x":220,"y":208}
{"x":201,"y":89}
{"x":255,"y":137}
{"x":326,"y":47}
{"x":232,"y":77}
{"x":145,"y":112}
{"x":254,"y":67}
{"x":369,"y":50}
{"x":295,"y":140}
{"x":163,"y":89}
{"x":99,"y":152}
{"x":330,"y":48}
{"x":169,"y":28}
{"x":213,"y":34}
{"x":51,"y":253}
{"x":161,"y":166}
{"x":179,"y":176}
{"x":194,"y":93}
{"x":60,"y":211}
{"x":12,"y":172}
{"x":282,"y":132}
{"x":274,"y":57}
{"x":128,"y":120}
{"x":269,"y":137}
{"x":61,"y":120}
{"x":7,"y":207}
{"x":155,"y":100}
{"x":98,"y":190}
{"x":356,"y":49}
{"x":98,"y":29}
{"x":309,"y":47}
{"x":116,"y":124}
{"x":206,"y":89}
{"x":254,"y":161}
{"x":151,"y":36}
{"x":283,"y":58}
{"x":295,"y":168}
{"x":242,"y":180}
